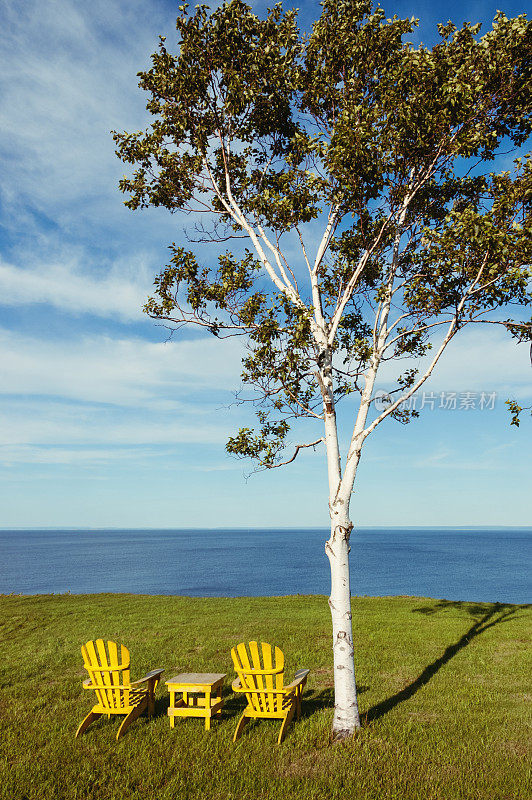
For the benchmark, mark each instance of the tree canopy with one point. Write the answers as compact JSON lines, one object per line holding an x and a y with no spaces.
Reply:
{"x":270,"y":131}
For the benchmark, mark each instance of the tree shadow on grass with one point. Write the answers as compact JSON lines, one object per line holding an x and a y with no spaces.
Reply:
{"x":486,"y":615}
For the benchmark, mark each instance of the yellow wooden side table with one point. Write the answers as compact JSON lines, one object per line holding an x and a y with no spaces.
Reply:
{"x":201,"y":695}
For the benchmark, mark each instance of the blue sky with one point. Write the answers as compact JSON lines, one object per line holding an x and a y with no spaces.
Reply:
{"x":102,"y":422}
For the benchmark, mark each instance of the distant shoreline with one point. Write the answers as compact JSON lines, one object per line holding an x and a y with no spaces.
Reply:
{"x":243,"y":528}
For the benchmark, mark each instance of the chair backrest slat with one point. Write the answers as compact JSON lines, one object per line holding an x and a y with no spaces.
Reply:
{"x":269,"y":697}
{"x":125,"y":679}
{"x":114,"y":676}
{"x":279,"y":678}
{"x":105,"y":675}
{"x":259,"y":679}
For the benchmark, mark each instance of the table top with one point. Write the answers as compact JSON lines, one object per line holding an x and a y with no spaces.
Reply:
{"x":197,"y":678}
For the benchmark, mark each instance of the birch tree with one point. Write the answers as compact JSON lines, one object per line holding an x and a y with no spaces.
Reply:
{"x":387,"y":149}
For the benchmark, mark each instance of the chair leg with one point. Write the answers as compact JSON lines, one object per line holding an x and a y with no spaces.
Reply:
{"x":131,"y":717}
{"x":152,"y":685}
{"x":298,"y":702}
{"x":241,"y":722}
{"x":91,"y":716}
{"x":286,"y":723}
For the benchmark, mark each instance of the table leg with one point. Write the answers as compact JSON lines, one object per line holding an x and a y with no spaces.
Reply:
{"x":172,"y":705}
{"x":208,"y":710}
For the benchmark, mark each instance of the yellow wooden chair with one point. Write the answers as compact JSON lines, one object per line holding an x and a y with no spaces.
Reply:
{"x":109,"y":677}
{"x":262,"y":681}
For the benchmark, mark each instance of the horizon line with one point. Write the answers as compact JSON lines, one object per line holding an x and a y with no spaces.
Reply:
{"x":254,"y":527}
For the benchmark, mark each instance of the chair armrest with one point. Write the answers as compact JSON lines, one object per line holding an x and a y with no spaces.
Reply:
{"x":236,"y":686}
{"x":150,"y":676}
{"x":300,"y":679}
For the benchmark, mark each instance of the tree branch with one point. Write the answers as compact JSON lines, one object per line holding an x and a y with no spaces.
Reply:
{"x":452,"y":330}
{"x":298,"y":448}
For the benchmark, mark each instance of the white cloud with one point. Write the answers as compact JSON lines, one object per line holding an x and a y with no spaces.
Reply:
{"x":68,"y":77}
{"x":64,"y":286}
{"x":80,"y":401}
{"x":445,"y":458}
{"x":53,"y":432}
{"x":98,"y":455}
{"x":37,"y":454}
{"x":483,"y":358}
{"x":38,"y":431}
{"x":125,"y":372}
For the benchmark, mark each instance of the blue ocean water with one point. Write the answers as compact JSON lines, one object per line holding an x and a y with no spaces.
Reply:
{"x":456,"y":564}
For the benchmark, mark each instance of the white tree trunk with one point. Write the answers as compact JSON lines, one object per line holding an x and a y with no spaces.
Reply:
{"x":346,"y":717}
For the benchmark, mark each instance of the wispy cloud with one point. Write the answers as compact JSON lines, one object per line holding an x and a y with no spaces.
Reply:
{"x":124,"y":372}
{"x":484,"y":358}
{"x":98,"y":393}
{"x":59,"y":425}
{"x":84,"y":435}
{"x":64,"y":286}
{"x":444,"y":458}
{"x":37,"y":454}
{"x":99,"y":455}
{"x":68,"y":76}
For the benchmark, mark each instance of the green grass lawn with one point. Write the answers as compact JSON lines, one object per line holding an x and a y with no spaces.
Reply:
{"x":442,"y":692}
